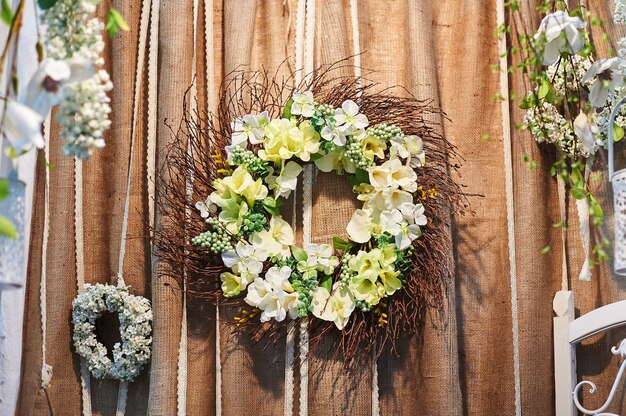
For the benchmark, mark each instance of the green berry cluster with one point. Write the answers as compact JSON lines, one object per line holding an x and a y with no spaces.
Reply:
{"x":253,"y":222}
{"x":362,"y":305}
{"x":385,"y":132}
{"x":346,"y":272}
{"x":256,"y":166}
{"x":305,"y":289}
{"x":323,"y":116}
{"x":325,"y":110}
{"x":216,"y":240}
{"x":354,"y":153}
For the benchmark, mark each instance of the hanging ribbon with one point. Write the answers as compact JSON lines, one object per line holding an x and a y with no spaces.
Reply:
{"x":307,"y":210}
{"x":510,"y":203}
{"x":181,"y":393}
{"x":291,"y":327}
{"x":143,"y":37}
{"x":582,"y":207}
{"x":46,"y":369}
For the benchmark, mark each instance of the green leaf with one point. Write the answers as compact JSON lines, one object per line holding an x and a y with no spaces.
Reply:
{"x":115,"y":22}
{"x":545,"y":250}
{"x":299,"y":254}
{"x":362,"y":176}
{"x":4,"y":188}
{"x":287,"y":109}
{"x":272,"y":210}
{"x":316,"y":156}
{"x":577,"y":178}
{"x":327,"y":282}
{"x":544,"y":89}
{"x":46,"y":4}
{"x":579,"y":193}
{"x":618,"y":132}
{"x":6,"y":13}
{"x":7,"y":228}
{"x":269,"y":202}
{"x":340,"y":244}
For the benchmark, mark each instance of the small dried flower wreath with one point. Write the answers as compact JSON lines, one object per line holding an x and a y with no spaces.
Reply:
{"x":135,"y":316}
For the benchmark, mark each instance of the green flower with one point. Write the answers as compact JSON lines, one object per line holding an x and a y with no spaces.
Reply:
{"x":231,"y":284}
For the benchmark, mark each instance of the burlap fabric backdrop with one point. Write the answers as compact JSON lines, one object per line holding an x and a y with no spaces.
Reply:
{"x":465,"y":361}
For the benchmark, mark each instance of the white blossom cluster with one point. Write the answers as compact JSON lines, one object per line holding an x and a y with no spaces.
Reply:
{"x":547,"y":125}
{"x":620,"y":12}
{"x":84,"y":111}
{"x":135,"y":316}
{"x":85,"y":114}
{"x":573,"y":69}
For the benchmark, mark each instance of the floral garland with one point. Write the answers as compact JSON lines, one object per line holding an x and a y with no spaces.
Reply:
{"x":248,"y":231}
{"x":244,"y":162}
{"x":84,"y":110}
{"x":572,"y":94}
{"x":135,"y":316}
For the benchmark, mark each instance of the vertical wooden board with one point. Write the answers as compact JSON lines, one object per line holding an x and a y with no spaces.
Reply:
{"x":104,"y":192}
{"x":32,"y":399}
{"x":423,"y":378}
{"x":538,"y":276}
{"x":334,"y":389}
{"x":465,"y":47}
{"x":254,"y":38}
{"x":64,"y":391}
{"x":175,"y":77}
{"x":201,"y":322}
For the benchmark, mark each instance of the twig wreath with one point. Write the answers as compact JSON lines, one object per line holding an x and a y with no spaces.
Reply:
{"x":228,"y":175}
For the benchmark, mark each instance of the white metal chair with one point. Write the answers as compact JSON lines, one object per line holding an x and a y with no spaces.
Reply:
{"x":567,"y":333}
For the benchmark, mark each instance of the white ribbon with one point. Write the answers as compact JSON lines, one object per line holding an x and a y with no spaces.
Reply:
{"x":582,"y":207}
{"x":510,"y":205}
{"x":46,"y":369}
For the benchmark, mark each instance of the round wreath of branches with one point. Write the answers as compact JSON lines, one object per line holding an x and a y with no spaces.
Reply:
{"x":190,"y":169}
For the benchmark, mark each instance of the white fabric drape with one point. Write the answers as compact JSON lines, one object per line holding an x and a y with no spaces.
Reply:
{"x":12,"y":300}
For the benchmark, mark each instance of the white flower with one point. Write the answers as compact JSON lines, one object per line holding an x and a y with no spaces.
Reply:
{"x":274,"y":295}
{"x":246,"y":260}
{"x":404,"y":223}
{"x":587,"y":131}
{"x":387,"y":199}
{"x":249,"y":128}
{"x":562,"y":34}
{"x":335,"y":160}
{"x":401,"y":176}
{"x":206,"y":207}
{"x":606,"y":78}
{"x":336,"y":307}
{"x":47,"y":85}
{"x":303,"y":104}
{"x":321,"y":256}
{"x":334,"y":135}
{"x":360,"y":226}
{"x":393,"y":174}
{"x":413,"y":213}
{"x":379,"y":176}
{"x":347,"y":118}
{"x":22,"y":127}
{"x":278,"y":278}
{"x":277,"y":240}
{"x":408,"y":147}
{"x":287,"y":181}
{"x":392,"y":222}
